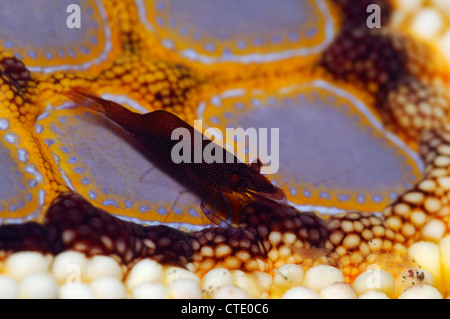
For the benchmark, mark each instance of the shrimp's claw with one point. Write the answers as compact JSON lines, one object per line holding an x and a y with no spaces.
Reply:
{"x":219,"y":221}
{"x":87,"y":98}
{"x":277,"y":195}
{"x":259,"y":185}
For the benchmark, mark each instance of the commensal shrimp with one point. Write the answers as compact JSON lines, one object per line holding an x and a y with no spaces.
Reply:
{"x":154,"y":131}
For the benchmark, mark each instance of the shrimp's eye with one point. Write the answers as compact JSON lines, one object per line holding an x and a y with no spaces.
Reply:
{"x":234,"y":178}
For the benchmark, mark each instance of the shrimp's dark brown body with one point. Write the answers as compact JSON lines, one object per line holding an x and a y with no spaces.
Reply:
{"x":153,"y":131}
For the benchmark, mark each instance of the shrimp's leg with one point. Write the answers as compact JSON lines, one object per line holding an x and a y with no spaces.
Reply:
{"x":146,"y":173}
{"x":176,"y":199}
{"x":212,"y":216}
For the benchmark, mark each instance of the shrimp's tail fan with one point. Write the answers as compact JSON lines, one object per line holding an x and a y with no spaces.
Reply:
{"x":87,"y":98}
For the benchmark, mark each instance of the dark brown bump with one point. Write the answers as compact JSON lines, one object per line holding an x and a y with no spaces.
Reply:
{"x":29,"y":236}
{"x":364,"y":231}
{"x":94,"y":231}
{"x":355,"y":13}
{"x":368,"y":57}
{"x":283,"y":218}
{"x":16,"y":71}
